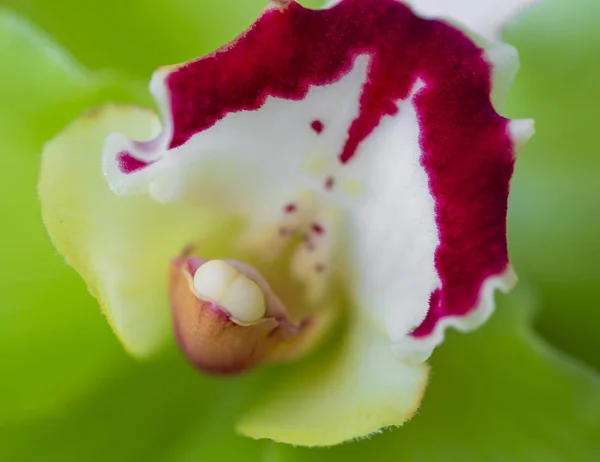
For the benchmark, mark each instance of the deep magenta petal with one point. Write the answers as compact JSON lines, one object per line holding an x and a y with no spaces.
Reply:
{"x":467,"y":151}
{"x":129,"y":164}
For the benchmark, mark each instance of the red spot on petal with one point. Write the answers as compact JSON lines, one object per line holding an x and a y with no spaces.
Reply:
{"x":329,"y":183}
{"x":129,"y":164}
{"x":466,"y":150}
{"x":291,"y":208}
{"x":317,"y":126}
{"x":317,"y":228}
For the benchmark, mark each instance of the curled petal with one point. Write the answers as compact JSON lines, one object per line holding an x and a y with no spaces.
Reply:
{"x":122,"y":246}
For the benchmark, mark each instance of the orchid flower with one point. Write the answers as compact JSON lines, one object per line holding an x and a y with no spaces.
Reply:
{"x":501,"y":393}
{"x":504,"y":392}
{"x":337,"y":167}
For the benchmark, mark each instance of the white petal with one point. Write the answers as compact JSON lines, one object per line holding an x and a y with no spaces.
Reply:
{"x":418,"y":350}
{"x":392,"y":229}
{"x":484,"y":17}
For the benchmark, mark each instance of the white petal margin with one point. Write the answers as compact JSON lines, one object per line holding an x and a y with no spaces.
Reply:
{"x":350,"y":391}
{"x":504,"y":60}
{"x":484,"y":17}
{"x":121,"y":246}
{"x":418,"y":350}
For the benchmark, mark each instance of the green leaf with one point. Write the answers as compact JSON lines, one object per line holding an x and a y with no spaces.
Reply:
{"x":163,"y":410}
{"x":137,"y":36}
{"x":54,"y":345}
{"x":498,"y":394}
{"x":555,"y":205}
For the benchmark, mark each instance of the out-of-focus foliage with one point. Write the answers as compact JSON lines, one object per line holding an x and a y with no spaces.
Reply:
{"x":137,"y":36}
{"x":554,"y":214}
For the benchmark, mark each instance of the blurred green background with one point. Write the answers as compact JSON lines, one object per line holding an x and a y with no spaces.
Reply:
{"x":525,"y":387}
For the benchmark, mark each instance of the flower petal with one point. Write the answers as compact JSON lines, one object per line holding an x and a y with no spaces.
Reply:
{"x":486,"y":18}
{"x":355,"y":389}
{"x":408,"y":147}
{"x":122,"y":246}
{"x":417,"y":248}
{"x":417,"y":161}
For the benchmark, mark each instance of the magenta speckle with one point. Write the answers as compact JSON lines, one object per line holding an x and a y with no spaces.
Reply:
{"x":317,"y":228}
{"x":317,"y":126}
{"x":329,"y":183}
{"x":290,"y":208}
{"x":129,"y":164}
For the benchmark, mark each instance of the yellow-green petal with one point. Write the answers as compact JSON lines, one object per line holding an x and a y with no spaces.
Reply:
{"x":121,"y":246}
{"x":349,"y":391}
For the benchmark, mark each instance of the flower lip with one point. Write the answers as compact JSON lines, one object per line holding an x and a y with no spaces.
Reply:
{"x":212,"y":339}
{"x":228,"y":320}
